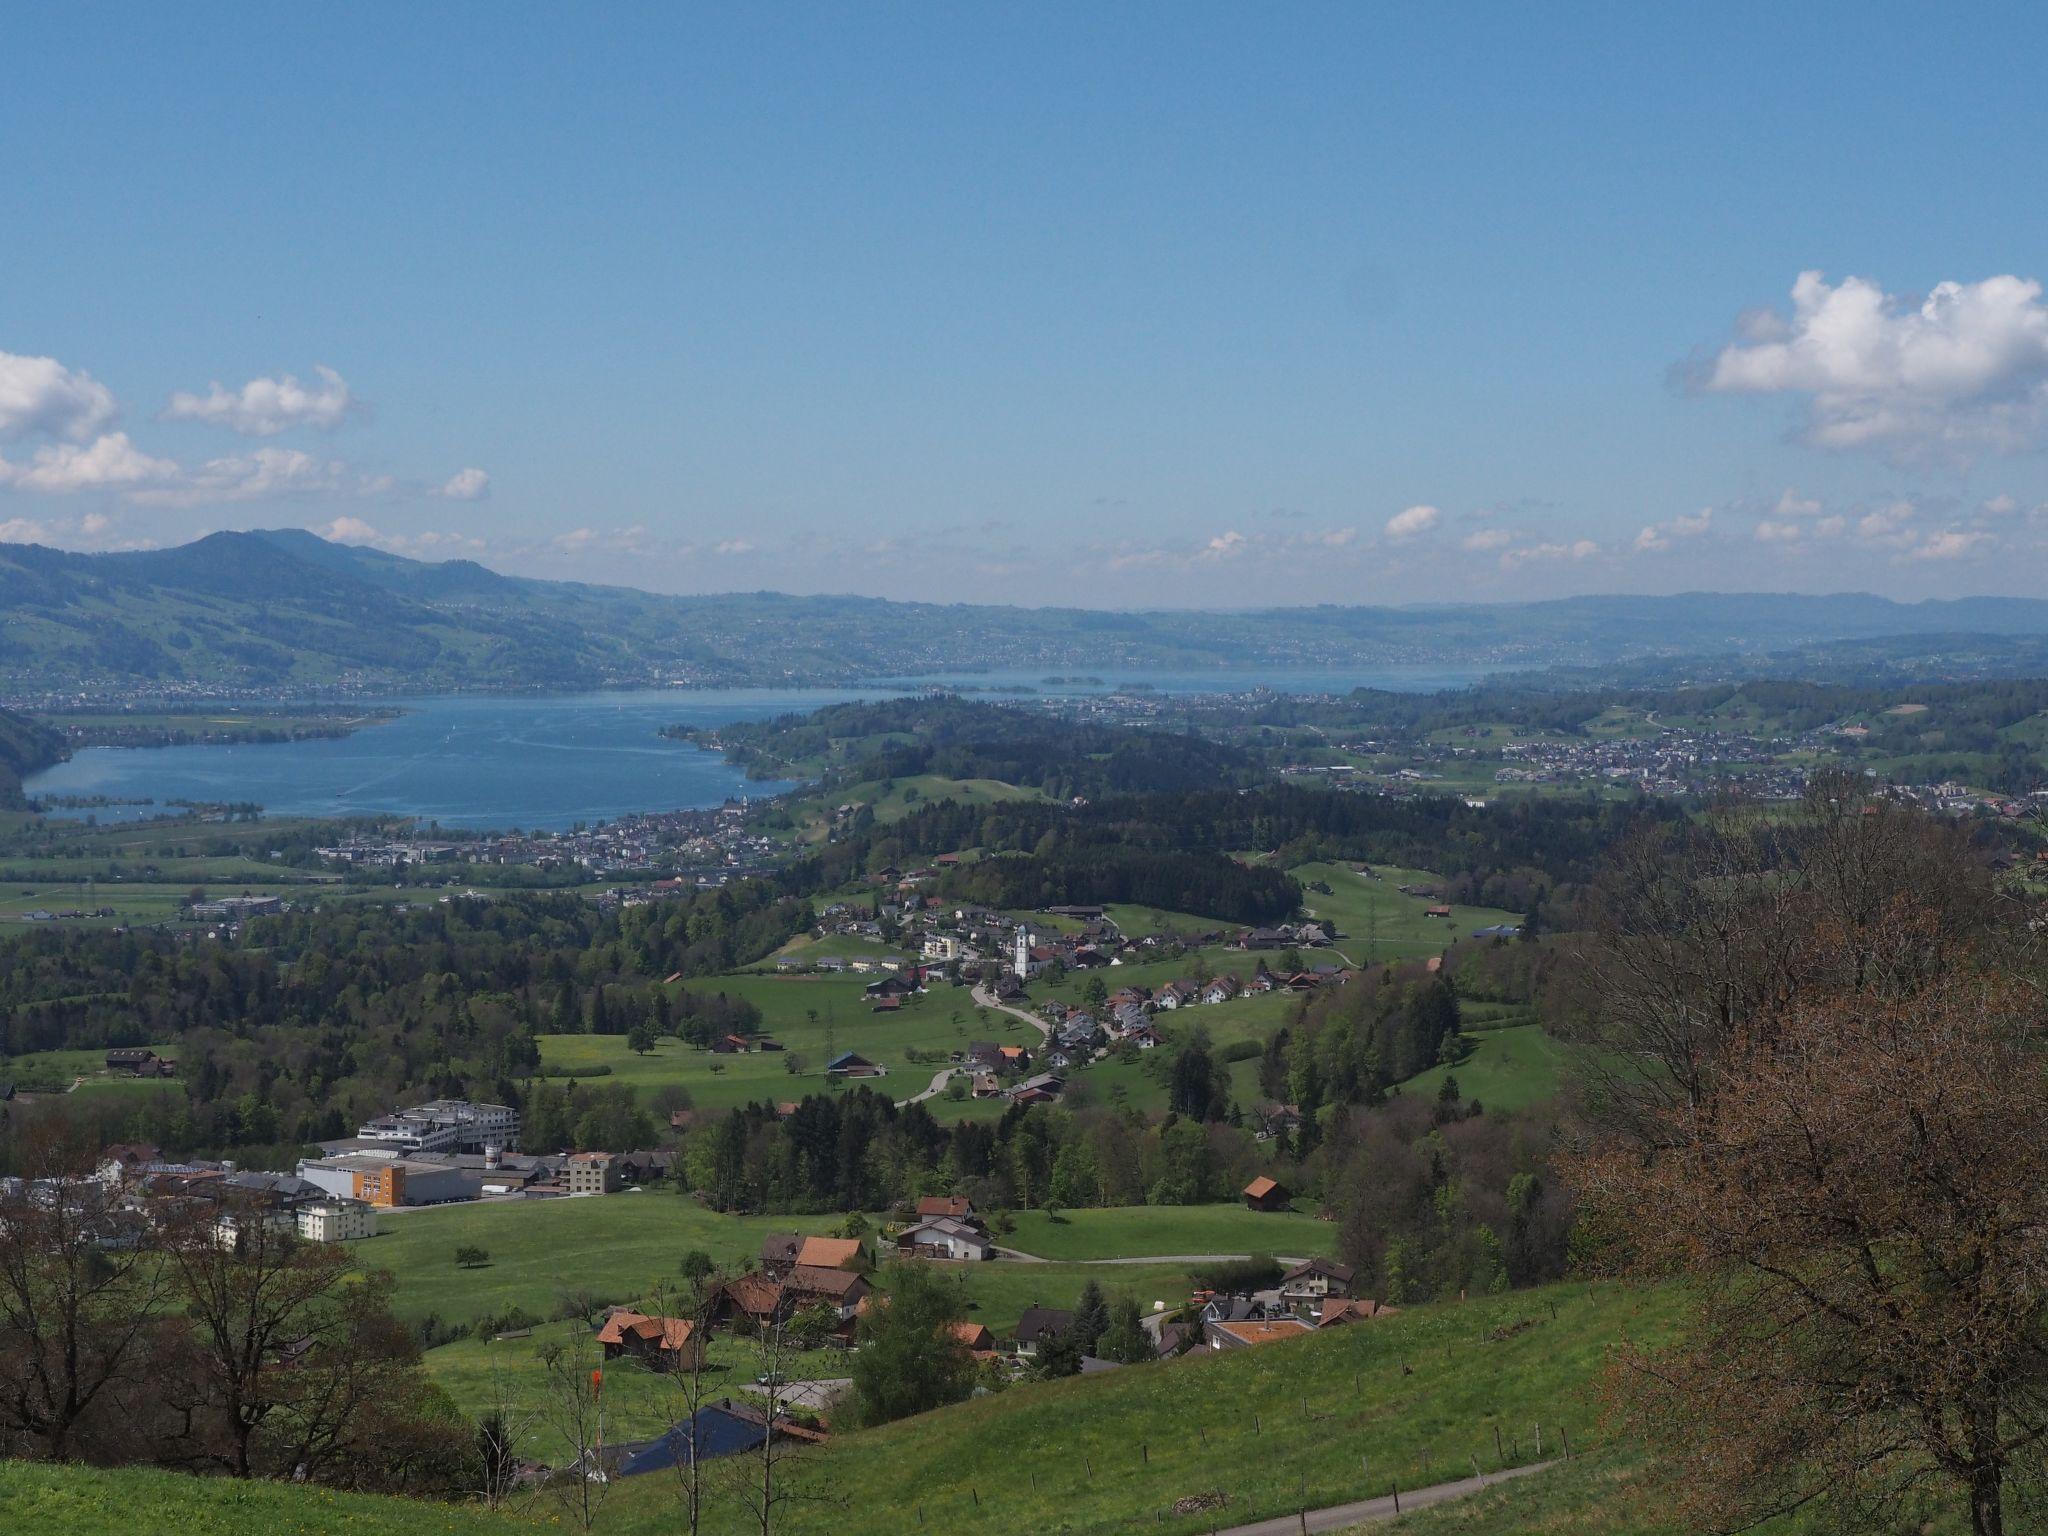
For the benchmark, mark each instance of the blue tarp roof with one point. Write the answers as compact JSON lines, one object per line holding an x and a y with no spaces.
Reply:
{"x":718,"y":1432}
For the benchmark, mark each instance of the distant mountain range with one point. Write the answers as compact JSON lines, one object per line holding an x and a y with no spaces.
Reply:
{"x":284,"y":610}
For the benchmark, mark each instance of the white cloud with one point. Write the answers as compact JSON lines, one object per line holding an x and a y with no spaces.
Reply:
{"x":2001,"y":506}
{"x":1952,"y":544}
{"x":93,"y":531}
{"x":733,"y":547}
{"x":1412,"y":523}
{"x":350,"y":530}
{"x":261,"y":474}
{"x":1769,"y":532}
{"x":1888,"y":526}
{"x":1831,"y":527}
{"x":1966,"y":368}
{"x":1482,"y":539}
{"x":466,"y":485}
{"x":40,"y":397}
{"x":266,"y":407}
{"x":1792,"y":504}
{"x":1331,"y":538}
{"x":1582,"y":549}
{"x":1660,"y":536}
{"x":110,"y":462}
{"x":1223,"y":546}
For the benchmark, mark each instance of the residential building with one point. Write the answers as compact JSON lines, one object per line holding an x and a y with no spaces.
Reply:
{"x":944,"y":1237}
{"x":1247,"y":1335}
{"x":337,"y":1221}
{"x":591,"y":1173}
{"x":446,"y":1125}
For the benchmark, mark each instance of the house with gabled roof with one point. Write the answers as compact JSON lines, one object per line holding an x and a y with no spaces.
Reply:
{"x":662,"y":1343}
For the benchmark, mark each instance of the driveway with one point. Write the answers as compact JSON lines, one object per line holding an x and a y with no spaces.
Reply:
{"x":938,"y":1085}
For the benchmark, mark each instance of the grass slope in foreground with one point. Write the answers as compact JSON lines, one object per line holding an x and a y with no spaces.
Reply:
{"x":1311,"y":1422}
{"x":37,"y":1499}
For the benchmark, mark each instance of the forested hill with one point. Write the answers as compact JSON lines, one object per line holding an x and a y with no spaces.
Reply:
{"x":283,"y":608}
{"x":25,"y":746}
{"x":965,"y":739}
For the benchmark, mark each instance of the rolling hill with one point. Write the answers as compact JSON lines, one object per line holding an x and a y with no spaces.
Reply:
{"x":284,"y":609}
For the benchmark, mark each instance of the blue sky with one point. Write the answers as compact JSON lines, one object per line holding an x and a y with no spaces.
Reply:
{"x":1151,"y":305}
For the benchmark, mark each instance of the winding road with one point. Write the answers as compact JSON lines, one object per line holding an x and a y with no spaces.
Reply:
{"x":987,"y":999}
{"x":938,"y":1086}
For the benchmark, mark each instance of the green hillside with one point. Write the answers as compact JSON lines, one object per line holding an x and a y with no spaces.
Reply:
{"x":41,"y":1500}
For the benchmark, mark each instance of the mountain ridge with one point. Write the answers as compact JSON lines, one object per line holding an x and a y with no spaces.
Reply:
{"x":274,"y":609}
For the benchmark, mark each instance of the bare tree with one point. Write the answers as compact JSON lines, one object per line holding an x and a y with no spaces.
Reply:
{"x":573,"y":1407}
{"x":262,"y":1310}
{"x":762,"y":1482}
{"x":1835,"y":1122}
{"x":80,"y":1295}
{"x":688,"y":1391}
{"x":500,"y":1432}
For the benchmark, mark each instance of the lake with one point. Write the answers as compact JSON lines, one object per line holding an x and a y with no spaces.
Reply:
{"x":543,"y":763}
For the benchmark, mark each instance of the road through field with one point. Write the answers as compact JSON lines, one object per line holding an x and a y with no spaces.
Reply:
{"x":1340,"y":1516}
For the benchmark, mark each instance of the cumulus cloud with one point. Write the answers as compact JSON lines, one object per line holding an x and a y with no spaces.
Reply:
{"x":466,"y":485}
{"x":259,"y":475}
{"x":1769,"y":531}
{"x":109,"y":462}
{"x":1412,"y":523}
{"x":1966,"y":368}
{"x":1952,"y":544}
{"x":40,"y":397}
{"x":733,"y":547}
{"x":1331,"y":538}
{"x":1223,"y":546}
{"x":1661,"y":536}
{"x":266,"y":407}
{"x":92,"y":531}
{"x":1792,"y":504}
{"x":350,"y":530}
{"x":1481,"y":540}
{"x":1888,"y":526}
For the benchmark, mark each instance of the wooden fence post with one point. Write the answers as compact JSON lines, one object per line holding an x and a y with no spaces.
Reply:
{"x":1499,"y":1450}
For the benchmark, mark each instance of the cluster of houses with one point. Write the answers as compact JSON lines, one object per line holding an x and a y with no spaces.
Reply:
{"x":716,"y":839}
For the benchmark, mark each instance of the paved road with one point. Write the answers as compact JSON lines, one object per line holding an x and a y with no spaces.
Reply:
{"x":938,"y":1085}
{"x":1019,"y":1256}
{"x":987,"y":999}
{"x":1338,"y":1516}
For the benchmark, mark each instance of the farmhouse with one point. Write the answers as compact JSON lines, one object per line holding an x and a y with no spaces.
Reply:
{"x":833,"y":1253}
{"x":852,"y":1064}
{"x":1264,"y":1194}
{"x":944,"y":1237}
{"x":662,"y":1343}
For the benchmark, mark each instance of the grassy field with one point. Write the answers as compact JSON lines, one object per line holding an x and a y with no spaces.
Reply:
{"x":1376,"y":922}
{"x":37,"y":1499}
{"x":1315,"y":1421}
{"x":935,"y":1023}
{"x":56,"y":1071}
{"x":1133,"y":1231}
{"x":1322,"y":1420}
{"x":617,"y":1247}
{"x":1508,"y":1068}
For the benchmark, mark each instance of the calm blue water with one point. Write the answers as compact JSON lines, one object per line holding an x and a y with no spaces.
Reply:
{"x":544,"y":763}
{"x":532,"y":763}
